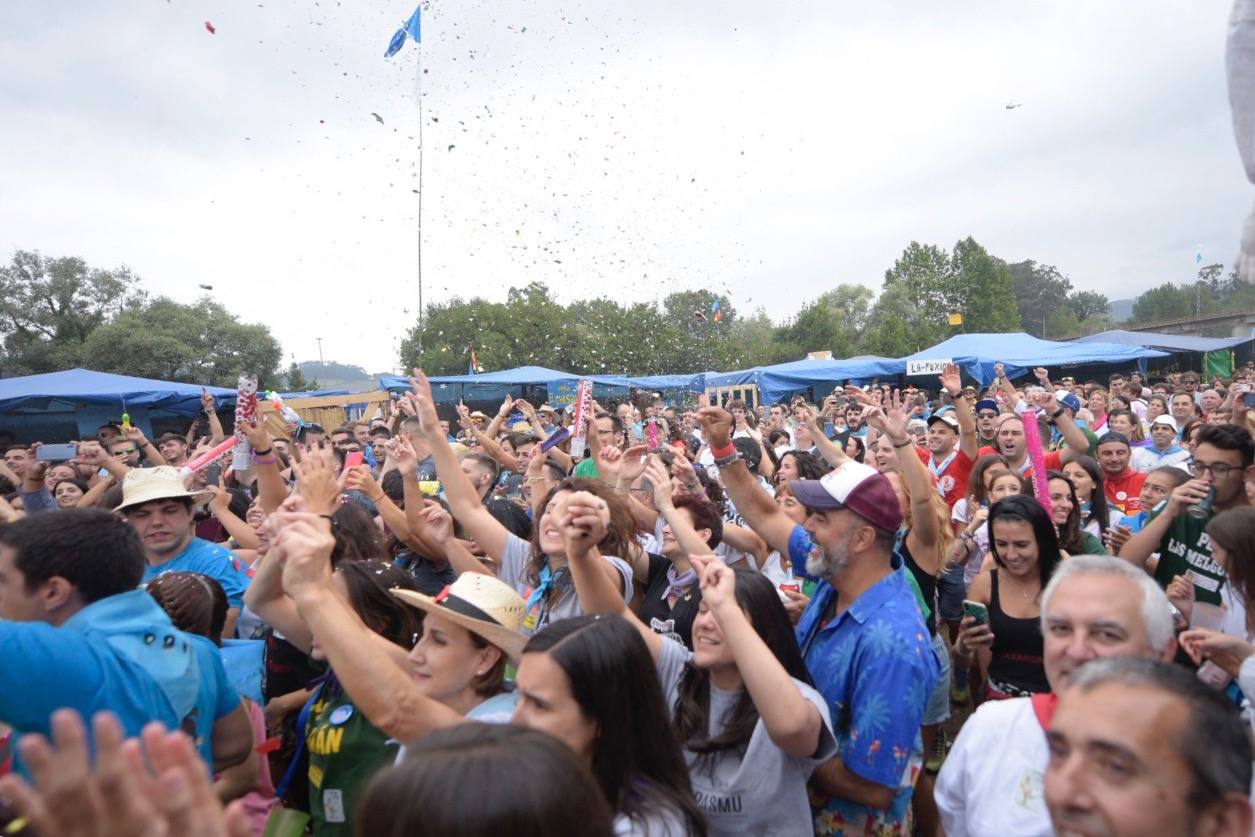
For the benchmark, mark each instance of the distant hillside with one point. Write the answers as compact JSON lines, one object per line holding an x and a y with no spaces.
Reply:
{"x":332,"y":375}
{"x":1121,"y":310}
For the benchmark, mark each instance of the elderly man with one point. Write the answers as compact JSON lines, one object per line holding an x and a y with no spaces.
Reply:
{"x":1094,"y":606}
{"x":862,"y":636}
{"x":1143,"y":747}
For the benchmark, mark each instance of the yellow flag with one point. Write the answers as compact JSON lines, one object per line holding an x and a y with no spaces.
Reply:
{"x":956,"y":319}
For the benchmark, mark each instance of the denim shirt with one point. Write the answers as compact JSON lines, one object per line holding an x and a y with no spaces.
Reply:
{"x":874,"y":664}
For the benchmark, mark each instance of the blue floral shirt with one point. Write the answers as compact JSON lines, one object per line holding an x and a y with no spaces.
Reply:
{"x":875,"y":665}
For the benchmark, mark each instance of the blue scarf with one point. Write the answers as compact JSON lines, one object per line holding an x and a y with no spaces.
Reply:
{"x":547,"y":579}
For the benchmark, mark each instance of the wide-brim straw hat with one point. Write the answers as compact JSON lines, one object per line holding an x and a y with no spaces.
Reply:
{"x":144,"y":485}
{"x":483,"y":604}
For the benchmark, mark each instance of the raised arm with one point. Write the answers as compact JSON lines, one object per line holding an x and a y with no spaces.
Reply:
{"x":216,"y":434}
{"x":379,"y":687}
{"x":754,"y":504}
{"x":924,"y":524}
{"x":833,"y":453}
{"x":1138,"y":548}
{"x":271,"y":489}
{"x":463,"y":500}
{"x":494,"y":427}
{"x":584,"y":520}
{"x":141,"y":441}
{"x":681,"y":529}
{"x":220,"y":506}
{"x":1078,"y":443}
{"x":952,"y":383}
{"x":792,"y":721}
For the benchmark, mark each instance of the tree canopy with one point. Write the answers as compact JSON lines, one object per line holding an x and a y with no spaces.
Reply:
{"x":58,"y":313}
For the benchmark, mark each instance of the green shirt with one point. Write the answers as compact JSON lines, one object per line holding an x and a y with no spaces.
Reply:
{"x":587,"y":469}
{"x":1186,"y":550}
{"x":345,"y":751}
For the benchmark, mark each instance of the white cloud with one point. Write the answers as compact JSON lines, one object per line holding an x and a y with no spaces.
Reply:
{"x":772,"y":151}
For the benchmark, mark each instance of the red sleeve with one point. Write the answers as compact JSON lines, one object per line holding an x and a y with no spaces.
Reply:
{"x":1053,"y":461}
{"x":923,"y":454}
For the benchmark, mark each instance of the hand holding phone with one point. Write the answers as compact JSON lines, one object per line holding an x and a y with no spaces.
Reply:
{"x":352,"y":459}
{"x":976,"y":610}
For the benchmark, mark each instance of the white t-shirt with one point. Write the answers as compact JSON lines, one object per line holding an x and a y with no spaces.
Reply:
{"x":980,"y":548}
{"x":991,"y":783}
{"x":762,"y":792}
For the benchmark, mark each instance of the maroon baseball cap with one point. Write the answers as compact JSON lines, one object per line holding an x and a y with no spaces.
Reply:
{"x":854,"y":486}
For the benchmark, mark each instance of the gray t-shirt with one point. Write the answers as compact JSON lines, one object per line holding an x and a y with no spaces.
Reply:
{"x":562,"y":601}
{"x":762,"y":791}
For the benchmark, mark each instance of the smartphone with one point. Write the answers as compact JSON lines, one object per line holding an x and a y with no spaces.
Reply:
{"x":977,"y":611}
{"x":556,"y":438}
{"x":352,"y":459}
{"x":56,"y":453}
{"x":1248,"y":399}
{"x":213,"y":473}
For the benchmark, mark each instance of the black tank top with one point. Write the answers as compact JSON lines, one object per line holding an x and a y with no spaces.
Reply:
{"x":1017,"y":648}
{"x":927,"y":585}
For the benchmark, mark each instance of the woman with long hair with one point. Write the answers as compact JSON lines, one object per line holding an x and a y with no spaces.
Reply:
{"x":1086,"y":477}
{"x":537,"y":570}
{"x":1066,"y":513}
{"x":343,"y":746}
{"x":587,"y":682}
{"x":800,"y":465}
{"x":477,"y":780}
{"x":1007,"y":640}
{"x":752,"y":726}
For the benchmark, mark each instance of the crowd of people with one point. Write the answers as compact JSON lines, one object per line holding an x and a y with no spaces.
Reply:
{"x":733,"y":619}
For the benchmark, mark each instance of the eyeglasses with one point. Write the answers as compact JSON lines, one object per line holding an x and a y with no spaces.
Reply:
{"x":124,"y":451}
{"x":986,"y":414}
{"x":1219,"y":470}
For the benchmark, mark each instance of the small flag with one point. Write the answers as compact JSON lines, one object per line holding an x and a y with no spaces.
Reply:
{"x":717,"y":307}
{"x":1198,"y":255}
{"x":955,"y":319}
{"x":411,"y":27}
{"x":473,"y":368}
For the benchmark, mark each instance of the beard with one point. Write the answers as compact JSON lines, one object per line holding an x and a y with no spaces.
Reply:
{"x":828,"y":562}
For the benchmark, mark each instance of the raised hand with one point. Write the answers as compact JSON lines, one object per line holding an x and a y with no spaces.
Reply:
{"x":633,"y":463}
{"x":206,"y":401}
{"x":1000,"y":371}
{"x":359,"y":478}
{"x":950,"y":379}
{"x":425,"y":405}
{"x":1042,"y":375}
{"x":717,"y":580}
{"x":316,"y":481}
{"x":716,"y":424}
{"x":305,"y":545}
{"x":439,"y":522}
{"x":257,"y":434}
{"x":583,"y":519}
{"x":858,"y":395}
{"x":656,"y":473}
{"x":401,"y":452}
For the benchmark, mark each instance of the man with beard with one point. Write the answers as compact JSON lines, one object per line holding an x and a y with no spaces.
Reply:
{"x":862,"y":636}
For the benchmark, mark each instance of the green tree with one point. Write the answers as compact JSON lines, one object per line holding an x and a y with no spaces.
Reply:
{"x":833,"y":322}
{"x":202,"y":343}
{"x":1090,"y":306}
{"x":295,"y":380}
{"x":983,"y":289}
{"x":1041,"y":292}
{"x":1168,"y":301}
{"x":49,"y":307}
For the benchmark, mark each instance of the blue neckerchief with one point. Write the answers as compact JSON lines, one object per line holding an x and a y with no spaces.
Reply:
{"x":136,"y":627}
{"x":547,"y":579}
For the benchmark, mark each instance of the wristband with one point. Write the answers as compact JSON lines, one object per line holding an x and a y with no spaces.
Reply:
{"x":908,"y":443}
{"x":269,"y":460}
{"x":723,"y":453}
{"x":725,"y":461}
{"x":262,"y":452}
{"x":1056,"y":414}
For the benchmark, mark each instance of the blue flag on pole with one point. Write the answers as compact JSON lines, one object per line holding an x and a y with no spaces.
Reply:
{"x":412,"y":28}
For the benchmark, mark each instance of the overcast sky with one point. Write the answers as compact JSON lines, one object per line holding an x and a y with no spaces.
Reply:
{"x":766,"y":150}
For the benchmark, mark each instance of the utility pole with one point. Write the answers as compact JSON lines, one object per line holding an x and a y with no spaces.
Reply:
{"x":320,"y":361}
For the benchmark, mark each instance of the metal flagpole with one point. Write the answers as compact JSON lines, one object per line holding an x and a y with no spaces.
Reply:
{"x":418,"y":93}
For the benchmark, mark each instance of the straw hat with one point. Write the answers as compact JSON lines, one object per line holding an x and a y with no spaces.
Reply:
{"x":143,"y":485}
{"x":483,"y":604}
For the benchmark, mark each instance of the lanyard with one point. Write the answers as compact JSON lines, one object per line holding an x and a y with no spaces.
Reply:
{"x":938,"y":470}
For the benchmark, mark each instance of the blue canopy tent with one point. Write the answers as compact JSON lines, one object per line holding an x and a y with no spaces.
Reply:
{"x":494,"y":386}
{"x":75,"y":402}
{"x":670,"y":383}
{"x":976,"y":355}
{"x":782,"y":379}
{"x":1190,"y":350}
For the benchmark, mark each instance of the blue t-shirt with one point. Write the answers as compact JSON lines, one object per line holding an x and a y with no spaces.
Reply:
{"x":201,"y":556}
{"x":875,"y":665}
{"x":120,"y":654}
